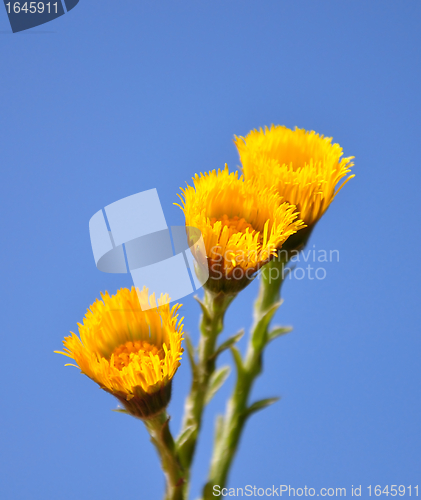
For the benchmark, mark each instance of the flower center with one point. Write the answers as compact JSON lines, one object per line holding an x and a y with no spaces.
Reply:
{"x":139,"y":347}
{"x":234,"y":224}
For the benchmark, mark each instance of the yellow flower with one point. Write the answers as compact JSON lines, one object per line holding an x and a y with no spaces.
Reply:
{"x":305,"y":167}
{"x":242,"y":225}
{"x":130,"y":353}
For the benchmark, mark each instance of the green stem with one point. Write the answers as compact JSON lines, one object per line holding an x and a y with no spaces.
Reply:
{"x":273,"y":275}
{"x":231,"y":427}
{"x":214,"y":307}
{"x":162,"y":439}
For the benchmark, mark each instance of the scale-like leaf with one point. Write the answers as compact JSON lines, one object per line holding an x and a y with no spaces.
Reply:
{"x":228,"y":343}
{"x":190,"y":352}
{"x":260,"y":332}
{"x":184,"y":436}
{"x":278,"y":332}
{"x":217,"y":379}
{"x":238,"y":360}
{"x":219,"y":426}
{"x":260,"y":405}
{"x":121,"y":410}
{"x":203,"y":307}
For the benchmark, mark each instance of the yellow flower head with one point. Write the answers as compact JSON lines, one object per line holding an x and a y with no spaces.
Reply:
{"x":242,"y":225}
{"x":305,"y":167}
{"x":130,"y":353}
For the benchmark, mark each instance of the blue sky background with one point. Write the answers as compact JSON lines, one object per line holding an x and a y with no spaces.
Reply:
{"x":119,"y":97}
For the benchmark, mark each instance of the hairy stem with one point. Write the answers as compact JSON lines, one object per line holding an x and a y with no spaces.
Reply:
{"x":162,"y":439}
{"x":214,"y":307}
{"x":232,"y":426}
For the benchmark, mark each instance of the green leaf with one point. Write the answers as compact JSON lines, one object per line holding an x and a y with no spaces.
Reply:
{"x":228,"y":343}
{"x":185,"y":435}
{"x":121,"y":410}
{"x":238,"y":360}
{"x":260,"y":405}
{"x":217,"y":379}
{"x":278,"y":332}
{"x":190,"y":352}
{"x":219,"y":427}
{"x":203,"y":307}
{"x":260,"y":331}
